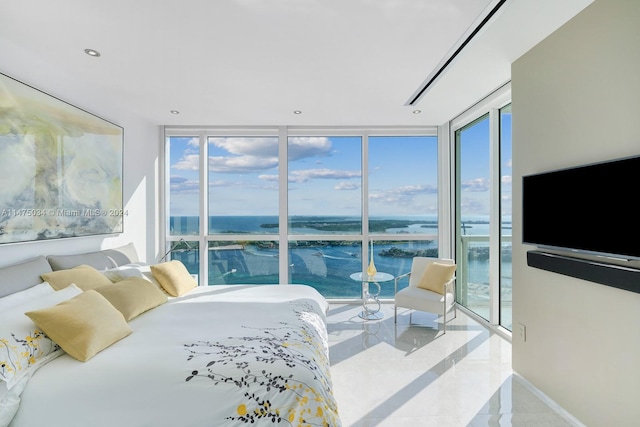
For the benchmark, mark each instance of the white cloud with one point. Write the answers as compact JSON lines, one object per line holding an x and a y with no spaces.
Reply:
{"x":241,"y":164}
{"x":179,"y":184}
{"x":347,"y":186}
{"x":305,"y":147}
{"x":256,"y":147}
{"x":402,"y":195}
{"x":298,"y":147}
{"x":268,"y":178}
{"x":243,"y":185}
{"x":189,"y":162}
{"x":309,"y":174}
{"x":506,"y":179}
{"x":261,"y":154}
{"x":477,"y":185}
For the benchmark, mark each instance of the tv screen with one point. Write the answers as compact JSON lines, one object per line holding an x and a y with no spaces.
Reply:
{"x":590,"y":209}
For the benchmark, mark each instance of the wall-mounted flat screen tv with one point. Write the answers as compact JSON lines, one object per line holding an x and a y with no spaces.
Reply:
{"x":589,"y":209}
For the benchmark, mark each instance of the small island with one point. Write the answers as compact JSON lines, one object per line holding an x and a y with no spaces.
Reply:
{"x":394,"y":252}
{"x":354,"y":226}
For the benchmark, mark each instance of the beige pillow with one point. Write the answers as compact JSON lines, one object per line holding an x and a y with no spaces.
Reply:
{"x":133,"y":296}
{"x":435,"y":276}
{"x":174,"y":277}
{"x":83,"y":325}
{"x":83,"y":276}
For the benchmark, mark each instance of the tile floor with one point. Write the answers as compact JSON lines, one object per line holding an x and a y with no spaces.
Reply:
{"x":400,"y":375}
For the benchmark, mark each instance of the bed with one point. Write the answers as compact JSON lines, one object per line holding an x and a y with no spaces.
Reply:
{"x":215,"y":356}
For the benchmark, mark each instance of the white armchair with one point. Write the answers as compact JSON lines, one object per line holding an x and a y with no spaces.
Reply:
{"x":431,"y":288}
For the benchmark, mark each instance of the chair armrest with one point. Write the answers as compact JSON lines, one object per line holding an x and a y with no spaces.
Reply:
{"x":449,"y":283}
{"x":395,"y":281}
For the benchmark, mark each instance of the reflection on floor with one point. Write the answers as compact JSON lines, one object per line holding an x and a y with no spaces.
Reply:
{"x":388,"y":375}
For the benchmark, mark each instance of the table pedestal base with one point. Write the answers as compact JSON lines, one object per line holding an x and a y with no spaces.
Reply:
{"x":370,"y":315}
{"x":370,"y":299}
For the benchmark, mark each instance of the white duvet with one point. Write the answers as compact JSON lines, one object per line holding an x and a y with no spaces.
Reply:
{"x":219,"y":356}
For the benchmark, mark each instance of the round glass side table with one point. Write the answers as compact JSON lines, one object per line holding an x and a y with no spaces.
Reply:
{"x":370,"y":299}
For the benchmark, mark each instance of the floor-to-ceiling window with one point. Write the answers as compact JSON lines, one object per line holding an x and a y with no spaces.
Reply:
{"x":183,"y":205}
{"x":325,"y":211}
{"x":296,"y":206}
{"x":242,"y":201}
{"x":482,"y":146}
{"x":403,"y":201}
{"x":474,"y":204}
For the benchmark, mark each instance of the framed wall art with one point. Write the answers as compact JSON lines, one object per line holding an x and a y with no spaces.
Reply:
{"x":60,"y":168}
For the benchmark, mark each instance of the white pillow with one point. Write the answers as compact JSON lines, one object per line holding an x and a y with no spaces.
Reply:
{"x":15,"y":299}
{"x":25,"y":347}
{"x":128,"y":271}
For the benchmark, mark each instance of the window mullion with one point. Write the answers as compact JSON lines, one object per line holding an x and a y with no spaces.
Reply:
{"x":204,"y":210}
{"x":364,"y":168}
{"x":494,"y":216}
{"x":283,"y":206}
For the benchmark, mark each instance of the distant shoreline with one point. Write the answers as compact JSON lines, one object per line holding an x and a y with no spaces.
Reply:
{"x":375,"y":225}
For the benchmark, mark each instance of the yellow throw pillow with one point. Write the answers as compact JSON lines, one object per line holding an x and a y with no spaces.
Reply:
{"x":435,"y":276}
{"x":83,"y":276}
{"x":83,"y":325}
{"x":133,"y":296}
{"x":174,"y":277}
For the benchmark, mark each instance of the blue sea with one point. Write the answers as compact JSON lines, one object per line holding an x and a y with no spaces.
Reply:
{"x":325,"y":265}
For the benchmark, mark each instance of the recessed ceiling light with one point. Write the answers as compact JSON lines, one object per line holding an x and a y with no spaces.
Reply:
{"x":417,"y":111}
{"x":92,"y":52}
{"x":297,"y":112}
{"x":174,"y":112}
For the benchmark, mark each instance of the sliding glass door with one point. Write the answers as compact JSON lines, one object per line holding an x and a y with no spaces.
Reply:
{"x":473,"y":172}
{"x":482,"y":146}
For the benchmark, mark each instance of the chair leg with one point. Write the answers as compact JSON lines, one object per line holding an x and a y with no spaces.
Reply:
{"x":395,"y":313}
{"x":444,"y":323}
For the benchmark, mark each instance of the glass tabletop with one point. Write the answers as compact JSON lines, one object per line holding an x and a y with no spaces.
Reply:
{"x":379,"y":277}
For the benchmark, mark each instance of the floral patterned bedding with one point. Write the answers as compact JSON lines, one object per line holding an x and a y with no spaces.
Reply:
{"x":219,"y":356}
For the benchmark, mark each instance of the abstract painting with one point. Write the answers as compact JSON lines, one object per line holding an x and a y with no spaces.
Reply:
{"x":60,"y":168}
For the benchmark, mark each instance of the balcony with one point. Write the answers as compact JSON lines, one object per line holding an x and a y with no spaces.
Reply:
{"x":473,"y":277}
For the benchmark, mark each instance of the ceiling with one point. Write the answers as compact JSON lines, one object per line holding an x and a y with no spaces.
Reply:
{"x":255,"y":62}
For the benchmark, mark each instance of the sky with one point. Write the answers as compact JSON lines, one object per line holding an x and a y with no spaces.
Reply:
{"x":325,"y":175}
{"x":475,"y":168}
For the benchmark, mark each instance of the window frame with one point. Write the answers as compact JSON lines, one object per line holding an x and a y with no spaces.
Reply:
{"x":491,"y":106}
{"x":283,"y":237}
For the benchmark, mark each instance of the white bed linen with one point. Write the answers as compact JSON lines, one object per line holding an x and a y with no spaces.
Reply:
{"x":254,"y":334}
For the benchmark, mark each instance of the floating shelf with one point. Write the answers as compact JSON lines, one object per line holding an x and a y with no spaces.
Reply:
{"x":613,"y":275}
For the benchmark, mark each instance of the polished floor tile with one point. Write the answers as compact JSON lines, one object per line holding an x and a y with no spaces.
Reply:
{"x":387,"y":374}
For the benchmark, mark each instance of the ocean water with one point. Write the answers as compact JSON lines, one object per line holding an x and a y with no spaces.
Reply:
{"x":325,"y":265}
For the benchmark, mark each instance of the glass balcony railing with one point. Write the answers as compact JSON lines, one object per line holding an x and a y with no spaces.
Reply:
{"x":473,"y":277}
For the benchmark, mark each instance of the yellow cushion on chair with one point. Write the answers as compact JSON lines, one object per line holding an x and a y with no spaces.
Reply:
{"x":435,"y":277}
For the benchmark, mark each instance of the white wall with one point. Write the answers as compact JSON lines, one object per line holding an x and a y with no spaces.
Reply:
{"x":576,"y":100}
{"x":141,"y":154}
